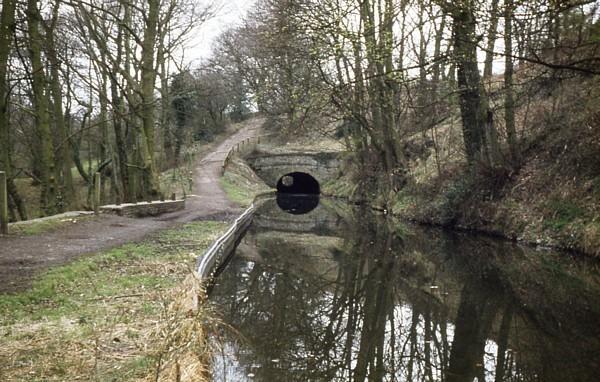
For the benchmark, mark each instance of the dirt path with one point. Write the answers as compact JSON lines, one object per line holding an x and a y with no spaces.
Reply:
{"x":22,"y":257}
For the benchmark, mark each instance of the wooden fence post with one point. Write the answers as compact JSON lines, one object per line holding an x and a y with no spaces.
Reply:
{"x":3,"y":204}
{"x":97,"y":190}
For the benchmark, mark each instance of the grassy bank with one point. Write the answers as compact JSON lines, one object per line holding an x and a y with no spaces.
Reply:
{"x":240,"y":182}
{"x":125,"y":314}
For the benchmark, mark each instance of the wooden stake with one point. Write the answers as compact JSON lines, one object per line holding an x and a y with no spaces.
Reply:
{"x":97,"y":193}
{"x":3,"y":204}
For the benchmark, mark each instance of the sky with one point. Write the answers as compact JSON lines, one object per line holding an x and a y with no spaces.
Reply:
{"x":230,"y":14}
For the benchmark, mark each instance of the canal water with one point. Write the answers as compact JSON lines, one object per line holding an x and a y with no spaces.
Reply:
{"x":322,"y":291}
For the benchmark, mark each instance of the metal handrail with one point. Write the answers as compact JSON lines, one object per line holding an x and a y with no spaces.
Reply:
{"x":206,"y":264}
{"x":236,"y":148}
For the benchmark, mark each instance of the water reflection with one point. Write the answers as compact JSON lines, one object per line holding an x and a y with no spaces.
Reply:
{"x":297,"y":204}
{"x":339,"y":295}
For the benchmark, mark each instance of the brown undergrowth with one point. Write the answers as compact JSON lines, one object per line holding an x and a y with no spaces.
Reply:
{"x":549,"y":197}
{"x":129,"y":314}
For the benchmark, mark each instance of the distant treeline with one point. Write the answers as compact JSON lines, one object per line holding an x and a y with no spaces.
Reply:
{"x":89,"y":86}
{"x":385,"y":71}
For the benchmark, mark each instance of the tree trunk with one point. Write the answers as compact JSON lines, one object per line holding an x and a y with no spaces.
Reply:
{"x":40,"y":105}
{"x":509,"y":98}
{"x":7,"y":26}
{"x":473,"y":102}
{"x":381,"y":96}
{"x":126,"y":192}
{"x":165,"y":111}
{"x":105,"y":146}
{"x":435,"y":84}
{"x":491,"y":41}
{"x":148,"y":78}
{"x":423,"y":115}
{"x":64,"y":157}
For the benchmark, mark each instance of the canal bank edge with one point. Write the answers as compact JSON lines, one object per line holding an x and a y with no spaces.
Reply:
{"x":546,"y":223}
{"x":532,"y":217}
{"x":528,"y":206}
{"x":224,"y":246}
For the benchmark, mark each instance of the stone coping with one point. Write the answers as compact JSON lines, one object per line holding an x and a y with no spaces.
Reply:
{"x":141,"y":209}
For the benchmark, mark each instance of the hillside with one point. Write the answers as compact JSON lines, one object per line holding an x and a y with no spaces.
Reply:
{"x":550,"y":198}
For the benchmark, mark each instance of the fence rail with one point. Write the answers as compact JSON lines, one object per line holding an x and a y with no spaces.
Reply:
{"x":244,"y":147}
{"x":224,"y":246}
{"x":3,"y":204}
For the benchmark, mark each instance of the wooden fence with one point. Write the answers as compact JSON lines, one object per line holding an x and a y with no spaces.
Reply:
{"x":243,"y":148}
{"x":3,"y":204}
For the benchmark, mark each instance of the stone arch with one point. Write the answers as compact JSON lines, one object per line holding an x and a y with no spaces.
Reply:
{"x":298,"y":183}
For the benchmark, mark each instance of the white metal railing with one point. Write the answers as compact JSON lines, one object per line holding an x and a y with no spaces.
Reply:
{"x":223,"y":246}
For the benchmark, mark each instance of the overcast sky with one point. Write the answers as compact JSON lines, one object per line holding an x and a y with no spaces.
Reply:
{"x":230,"y":15}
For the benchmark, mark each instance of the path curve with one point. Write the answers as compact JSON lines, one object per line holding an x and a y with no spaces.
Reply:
{"x":22,"y":257}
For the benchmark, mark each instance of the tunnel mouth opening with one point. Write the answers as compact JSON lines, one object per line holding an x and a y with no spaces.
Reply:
{"x":299,"y":183}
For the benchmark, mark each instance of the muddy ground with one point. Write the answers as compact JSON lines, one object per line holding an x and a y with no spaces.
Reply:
{"x":22,"y":257}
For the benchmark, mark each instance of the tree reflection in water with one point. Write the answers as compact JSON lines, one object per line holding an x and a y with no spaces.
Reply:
{"x":371,"y":303}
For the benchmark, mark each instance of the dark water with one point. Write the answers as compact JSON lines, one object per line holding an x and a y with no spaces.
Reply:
{"x":343,"y":295}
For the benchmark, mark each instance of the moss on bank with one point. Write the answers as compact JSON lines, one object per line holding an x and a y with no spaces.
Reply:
{"x":107,"y":316}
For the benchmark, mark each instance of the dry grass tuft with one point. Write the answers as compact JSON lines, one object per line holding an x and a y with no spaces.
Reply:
{"x":134,"y":313}
{"x":182,"y":350}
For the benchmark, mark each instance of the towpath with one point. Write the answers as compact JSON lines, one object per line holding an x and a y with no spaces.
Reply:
{"x":21,"y":257}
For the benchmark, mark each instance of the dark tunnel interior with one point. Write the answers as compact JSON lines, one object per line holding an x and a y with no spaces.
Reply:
{"x":298,"y":183}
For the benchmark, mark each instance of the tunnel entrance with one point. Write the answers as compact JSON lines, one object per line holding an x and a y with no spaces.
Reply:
{"x":298,"y":183}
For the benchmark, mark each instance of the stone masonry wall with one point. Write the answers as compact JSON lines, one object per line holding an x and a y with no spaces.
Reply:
{"x":144,"y":208}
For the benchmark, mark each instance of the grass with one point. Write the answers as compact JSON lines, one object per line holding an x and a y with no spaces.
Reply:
{"x":236,"y":193}
{"x":241,"y":184}
{"x":107,"y":316}
{"x":30,"y":228}
{"x":563,"y":213}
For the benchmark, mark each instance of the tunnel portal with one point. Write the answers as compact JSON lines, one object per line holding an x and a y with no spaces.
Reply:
{"x":298,"y":183}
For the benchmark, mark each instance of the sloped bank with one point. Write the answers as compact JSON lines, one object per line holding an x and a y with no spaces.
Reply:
{"x":552,"y":201}
{"x":541,"y":205}
{"x":126,"y":314}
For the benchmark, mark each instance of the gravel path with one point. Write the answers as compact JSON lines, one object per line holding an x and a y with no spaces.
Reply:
{"x":22,"y":257}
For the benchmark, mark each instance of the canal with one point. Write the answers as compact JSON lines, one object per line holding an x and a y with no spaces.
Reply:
{"x":318,"y":290}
